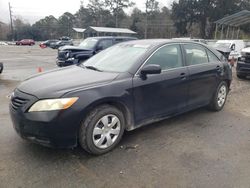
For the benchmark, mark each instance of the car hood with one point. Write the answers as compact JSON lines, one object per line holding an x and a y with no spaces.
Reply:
{"x":247,"y":50}
{"x":67,"y":47}
{"x":224,"y":50}
{"x":55,"y":83}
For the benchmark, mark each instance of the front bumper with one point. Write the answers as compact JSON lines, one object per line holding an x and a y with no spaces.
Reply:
{"x":243,"y":68}
{"x":64,"y":63}
{"x":53,"y":129}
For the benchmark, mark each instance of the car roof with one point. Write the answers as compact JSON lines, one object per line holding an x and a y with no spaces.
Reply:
{"x":115,"y":37}
{"x":157,"y":42}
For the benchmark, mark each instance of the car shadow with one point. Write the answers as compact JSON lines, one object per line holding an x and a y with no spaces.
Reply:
{"x":129,"y":140}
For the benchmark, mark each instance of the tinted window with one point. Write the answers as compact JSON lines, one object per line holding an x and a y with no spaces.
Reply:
{"x":195,"y":54}
{"x":167,"y":57}
{"x":212,"y":57}
{"x":119,"y":40}
{"x":117,"y":58}
{"x":105,"y":43}
{"x":88,"y":43}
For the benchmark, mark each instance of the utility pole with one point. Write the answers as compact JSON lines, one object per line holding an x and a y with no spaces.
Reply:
{"x":11,"y":23}
{"x":146,"y":21}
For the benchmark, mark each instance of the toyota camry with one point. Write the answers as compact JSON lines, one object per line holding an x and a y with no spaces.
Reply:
{"x":121,"y":88}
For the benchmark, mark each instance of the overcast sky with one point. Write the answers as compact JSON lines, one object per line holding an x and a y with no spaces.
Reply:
{"x":33,"y":10}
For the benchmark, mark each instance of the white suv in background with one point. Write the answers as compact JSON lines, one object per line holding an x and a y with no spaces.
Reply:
{"x":230,"y":48}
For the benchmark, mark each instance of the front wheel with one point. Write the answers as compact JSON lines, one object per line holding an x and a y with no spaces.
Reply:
{"x":80,"y":61}
{"x":219,"y":98}
{"x":102,"y":129}
{"x":1,"y":68}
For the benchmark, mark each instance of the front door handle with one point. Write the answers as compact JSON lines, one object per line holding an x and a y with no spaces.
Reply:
{"x":219,"y":68}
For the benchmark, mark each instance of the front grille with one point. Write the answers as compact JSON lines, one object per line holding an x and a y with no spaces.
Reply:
{"x":247,"y":59}
{"x":61,"y":54}
{"x":18,"y":102}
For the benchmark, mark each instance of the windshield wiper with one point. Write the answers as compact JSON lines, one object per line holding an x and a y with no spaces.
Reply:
{"x":93,"y":68}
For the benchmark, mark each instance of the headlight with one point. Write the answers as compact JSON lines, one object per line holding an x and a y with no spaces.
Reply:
{"x":67,"y":55}
{"x":53,"y":104}
{"x":243,"y":53}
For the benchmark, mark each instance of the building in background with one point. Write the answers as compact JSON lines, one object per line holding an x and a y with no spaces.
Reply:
{"x":107,"y":31}
{"x":78,"y":33}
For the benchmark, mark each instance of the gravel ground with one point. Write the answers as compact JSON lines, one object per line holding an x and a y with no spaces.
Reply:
{"x":199,"y":149}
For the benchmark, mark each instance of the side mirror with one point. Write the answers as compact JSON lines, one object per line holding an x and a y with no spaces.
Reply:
{"x":151,"y":69}
{"x":233,"y":47}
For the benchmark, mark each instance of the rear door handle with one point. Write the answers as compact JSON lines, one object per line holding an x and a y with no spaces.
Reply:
{"x":183,"y":76}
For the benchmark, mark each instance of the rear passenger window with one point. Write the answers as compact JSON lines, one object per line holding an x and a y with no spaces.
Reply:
{"x":195,"y":54}
{"x":212,"y":57}
{"x":167,"y":57}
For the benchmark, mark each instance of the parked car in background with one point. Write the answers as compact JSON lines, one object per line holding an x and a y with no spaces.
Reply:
{"x":29,"y":42}
{"x":69,"y":55}
{"x":124,"y":87}
{"x":11,"y":43}
{"x":62,"y":42}
{"x":1,"y":67}
{"x":48,"y":43}
{"x":3,"y":43}
{"x":199,"y":40}
{"x":230,"y":48}
{"x":243,"y":64}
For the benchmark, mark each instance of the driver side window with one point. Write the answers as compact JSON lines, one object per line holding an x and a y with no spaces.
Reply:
{"x":168,"y":57}
{"x":103,"y":44}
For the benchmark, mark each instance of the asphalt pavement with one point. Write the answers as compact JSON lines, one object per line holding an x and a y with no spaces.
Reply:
{"x":199,"y":149}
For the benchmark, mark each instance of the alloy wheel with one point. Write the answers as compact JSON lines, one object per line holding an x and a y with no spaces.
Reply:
{"x":221,"y":98}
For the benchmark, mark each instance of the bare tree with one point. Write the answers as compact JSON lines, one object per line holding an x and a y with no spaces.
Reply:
{"x":96,"y":9}
{"x":151,"y":6}
{"x":116,"y":6}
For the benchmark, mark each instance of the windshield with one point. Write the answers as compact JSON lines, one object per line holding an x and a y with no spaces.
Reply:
{"x":222,"y":45}
{"x":88,"y":43}
{"x":118,"y":58}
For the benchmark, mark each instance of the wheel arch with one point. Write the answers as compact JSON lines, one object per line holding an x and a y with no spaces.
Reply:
{"x":228,"y":82}
{"x":128,"y":115}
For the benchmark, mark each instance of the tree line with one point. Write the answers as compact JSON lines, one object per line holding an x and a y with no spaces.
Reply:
{"x":193,"y":18}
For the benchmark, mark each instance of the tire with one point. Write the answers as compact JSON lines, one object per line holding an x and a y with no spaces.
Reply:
{"x":219,"y":98}
{"x":97,"y":135}
{"x":241,"y":76}
{"x":1,"y":68}
{"x":81,"y":61}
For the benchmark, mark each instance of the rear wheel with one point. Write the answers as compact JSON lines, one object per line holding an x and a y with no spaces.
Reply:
{"x":241,"y":76}
{"x":102,"y":129}
{"x":219,"y":98}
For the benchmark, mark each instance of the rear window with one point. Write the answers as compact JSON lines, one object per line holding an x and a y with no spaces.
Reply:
{"x":195,"y":54}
